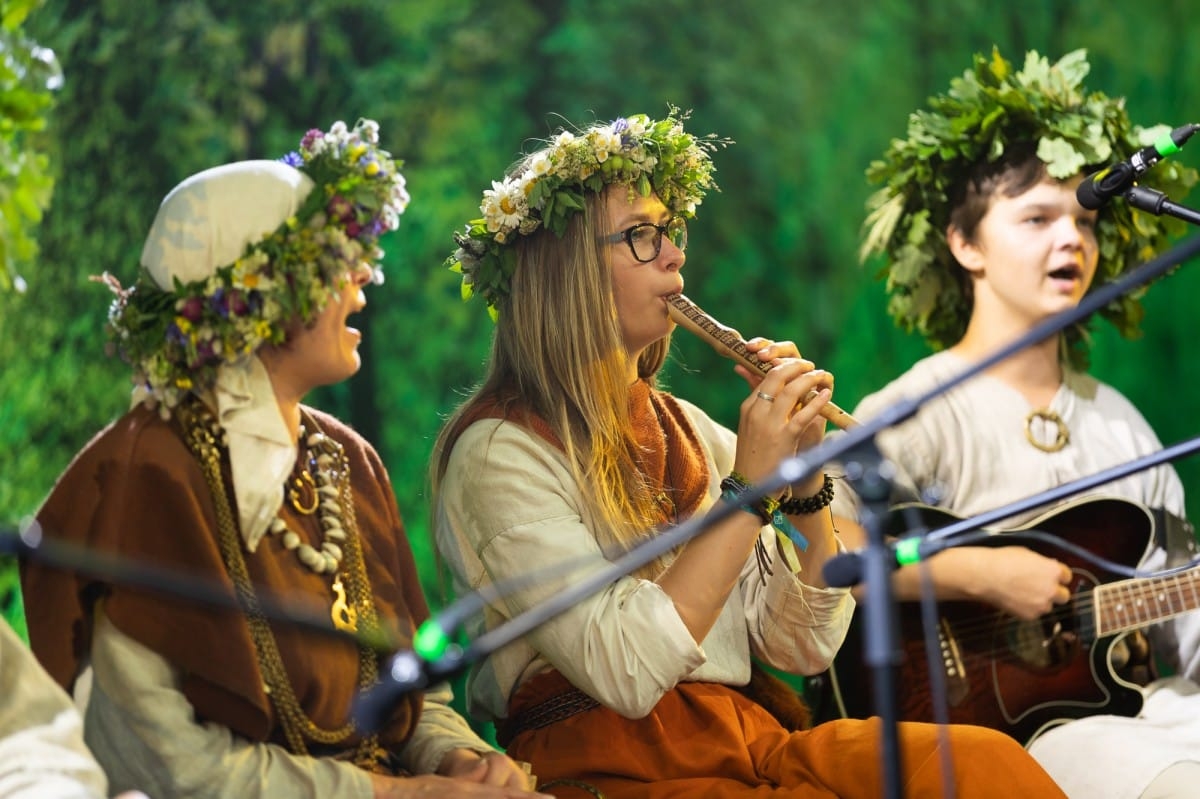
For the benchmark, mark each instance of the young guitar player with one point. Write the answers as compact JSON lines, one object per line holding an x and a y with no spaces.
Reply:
{"x":983,"y":239}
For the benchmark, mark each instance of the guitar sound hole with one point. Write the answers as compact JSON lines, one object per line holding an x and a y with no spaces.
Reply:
{"x":1048,"y":643}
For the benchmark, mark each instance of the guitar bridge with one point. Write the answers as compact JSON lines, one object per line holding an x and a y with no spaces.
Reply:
{"x":957,"y":687}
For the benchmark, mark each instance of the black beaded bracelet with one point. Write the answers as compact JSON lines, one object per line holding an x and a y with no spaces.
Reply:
{"x":821,"y":499}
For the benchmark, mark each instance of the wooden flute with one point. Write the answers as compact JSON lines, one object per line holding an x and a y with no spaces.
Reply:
{"x":729,"y":342}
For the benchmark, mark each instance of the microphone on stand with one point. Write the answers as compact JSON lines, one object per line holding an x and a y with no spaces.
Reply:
{"x":1100,"y":187}
{"x":792,"y":470}
{"x":435,"y":655}
{"x":845,"y":569}
{"x":30,"y":543}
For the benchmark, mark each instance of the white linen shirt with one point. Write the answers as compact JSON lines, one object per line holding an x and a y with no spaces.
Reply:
{"x":510,"y":508}
{"x":970,"y":445}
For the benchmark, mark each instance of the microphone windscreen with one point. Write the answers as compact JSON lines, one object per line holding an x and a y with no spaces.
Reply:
{"x":843,"y":570}
{"x":1087,"y":195}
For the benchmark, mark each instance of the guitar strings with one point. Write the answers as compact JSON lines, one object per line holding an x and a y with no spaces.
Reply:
{"x":987,"y":626}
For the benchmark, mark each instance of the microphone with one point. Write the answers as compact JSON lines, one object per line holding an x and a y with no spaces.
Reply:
{"x":435,"y":656}
{"x":845,"y":570}
{"x":432,"y":659}
{"x":1099,"y":187}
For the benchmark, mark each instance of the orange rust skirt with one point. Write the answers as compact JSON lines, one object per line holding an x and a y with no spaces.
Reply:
{"x":704,"y":739}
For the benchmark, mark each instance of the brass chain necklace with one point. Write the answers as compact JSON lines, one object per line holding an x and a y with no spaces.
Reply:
{"x":204,"y":438}
{"x":308,"y":495}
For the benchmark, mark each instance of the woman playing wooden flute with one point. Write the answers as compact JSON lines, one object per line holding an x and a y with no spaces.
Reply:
{"x":568,"y":448}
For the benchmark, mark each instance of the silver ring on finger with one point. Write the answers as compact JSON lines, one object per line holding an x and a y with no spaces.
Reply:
{"x":767,"y":397}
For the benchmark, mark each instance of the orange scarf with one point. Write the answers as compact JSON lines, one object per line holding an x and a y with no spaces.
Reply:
{"x":667,"y":447}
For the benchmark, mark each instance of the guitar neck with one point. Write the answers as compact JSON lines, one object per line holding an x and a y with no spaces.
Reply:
{"x":1129,"y":604}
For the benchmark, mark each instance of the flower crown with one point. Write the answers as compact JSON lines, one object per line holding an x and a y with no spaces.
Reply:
{"x":547,"y":188}
{"x":175,"y":340}
{"x":988,"y":109}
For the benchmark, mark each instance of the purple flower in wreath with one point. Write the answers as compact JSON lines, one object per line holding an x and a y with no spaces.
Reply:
{"x":237,"y":303}
{"x":219,"y":302}
{"x":313,"y":135}
{"x":205,"y":355}
{"x":340,"y":208}
{"x":175,"y":336}
{"x":620,"y":127}
{"x":192,"y":308}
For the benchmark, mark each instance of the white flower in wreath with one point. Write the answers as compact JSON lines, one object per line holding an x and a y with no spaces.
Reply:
{"x":539,"y":165}
{"x":504,"y":205}
{"x":607,"y":143}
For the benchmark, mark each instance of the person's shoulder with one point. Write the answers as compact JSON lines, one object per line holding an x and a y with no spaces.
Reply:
{"x":1093,"y":390}
{"x":335,"y":428}
{"x":692,"y":409}
{"x":141,"y":433}
{"x":355,"y":445}
{"x":483,"y":434}
{"x":918,"y":378}
{"x":704,"y":424}
{"x":137,"y":443}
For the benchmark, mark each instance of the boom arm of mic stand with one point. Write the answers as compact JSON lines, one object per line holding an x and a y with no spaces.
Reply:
{"x":791,"y":471}
{"x":30,"y":544}
{"x":1155,"y":202}
{"x":938,"y":539}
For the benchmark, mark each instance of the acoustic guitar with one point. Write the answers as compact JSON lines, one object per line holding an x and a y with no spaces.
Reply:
{"x":1024,"y":677}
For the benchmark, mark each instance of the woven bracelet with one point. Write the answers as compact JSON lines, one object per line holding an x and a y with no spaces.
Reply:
{"x":732,"y":488}
{"x":768,"y":509}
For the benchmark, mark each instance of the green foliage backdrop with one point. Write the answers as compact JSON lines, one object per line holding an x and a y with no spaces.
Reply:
{"x":811,"y":93}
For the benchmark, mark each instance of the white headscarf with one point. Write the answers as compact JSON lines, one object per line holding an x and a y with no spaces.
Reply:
{"x":203,"y":224}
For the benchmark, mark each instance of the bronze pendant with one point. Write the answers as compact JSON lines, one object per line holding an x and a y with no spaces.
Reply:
{"x":303,"y":494}
{"x":345,"y":618}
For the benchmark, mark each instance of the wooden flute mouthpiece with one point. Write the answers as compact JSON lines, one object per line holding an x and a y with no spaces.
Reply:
{"x":729,"y":342}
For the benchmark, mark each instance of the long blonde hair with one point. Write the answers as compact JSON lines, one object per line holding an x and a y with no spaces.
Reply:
{"x":558,"y":353}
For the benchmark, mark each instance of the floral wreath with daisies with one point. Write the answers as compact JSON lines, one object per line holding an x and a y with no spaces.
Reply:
{"x":547,"y":188}
{"x":989,"y":108}
{"x":176,"y":340}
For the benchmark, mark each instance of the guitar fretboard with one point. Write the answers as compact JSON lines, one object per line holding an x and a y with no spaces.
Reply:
{"x":1128,"y":604}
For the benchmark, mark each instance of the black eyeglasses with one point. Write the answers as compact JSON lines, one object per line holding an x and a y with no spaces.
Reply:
{"x":645,"y":238}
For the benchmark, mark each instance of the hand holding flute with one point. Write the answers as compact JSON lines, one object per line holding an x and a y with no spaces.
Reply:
{"x":729,"y":342}
{"x":763,"y":437}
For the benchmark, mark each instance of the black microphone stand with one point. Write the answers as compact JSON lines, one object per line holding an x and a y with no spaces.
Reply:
{"x":1155,"y":202}
{"x":941,"y":537}
{"x":870,"y":474}
{"x":414,"y":670}
{"x":29,"y":544}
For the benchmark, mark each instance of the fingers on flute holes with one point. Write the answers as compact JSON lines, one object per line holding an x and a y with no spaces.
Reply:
{"x":807,"y":381}
{"x":786,"y":349}
{"x":761,"y":348}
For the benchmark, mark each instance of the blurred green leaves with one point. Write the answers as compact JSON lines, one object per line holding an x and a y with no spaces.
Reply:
{"x":811,"y":94}
{"x":29,"y":76}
